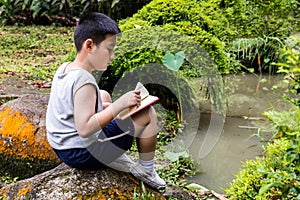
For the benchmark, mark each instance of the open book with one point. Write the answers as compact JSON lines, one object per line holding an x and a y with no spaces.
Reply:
{"x":146,"y":100}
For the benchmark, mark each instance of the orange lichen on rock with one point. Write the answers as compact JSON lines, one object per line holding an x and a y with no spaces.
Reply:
{"x":19,"y":138}
{"x":25,"y":190}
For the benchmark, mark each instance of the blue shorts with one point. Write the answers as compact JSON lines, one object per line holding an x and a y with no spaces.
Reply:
{"x":98,"y":154}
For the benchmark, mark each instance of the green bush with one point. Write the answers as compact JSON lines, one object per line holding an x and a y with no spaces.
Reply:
{"x":289,"y":64}
{"x":218,"y":25}
{"x":286,"y":123}
{"x":64,"y":12}
{"x":202,"y":22}
{"x":274,"y":176}
{"x":260,"y":28}
{"x":277,"y":174}
{"x":277,"y":18}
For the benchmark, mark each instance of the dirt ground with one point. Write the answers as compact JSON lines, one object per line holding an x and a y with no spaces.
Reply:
{"x":12,"y":86}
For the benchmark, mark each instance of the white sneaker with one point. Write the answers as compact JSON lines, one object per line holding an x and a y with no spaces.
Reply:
{"x":122,"y":163}
{"x":151,"y":179}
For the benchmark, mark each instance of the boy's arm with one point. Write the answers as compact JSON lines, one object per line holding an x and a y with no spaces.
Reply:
{"x":88,"y":122}
{"x":84,"y":111}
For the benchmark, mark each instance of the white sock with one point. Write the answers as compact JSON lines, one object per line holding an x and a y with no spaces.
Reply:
{"x":149,"y":164}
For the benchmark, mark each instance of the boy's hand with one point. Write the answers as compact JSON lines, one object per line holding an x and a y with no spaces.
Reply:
{"x":131,"y":98}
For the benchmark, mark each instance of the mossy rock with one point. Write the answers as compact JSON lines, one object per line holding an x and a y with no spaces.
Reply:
{"x":24,"y":148}
{"x":63,"y":182}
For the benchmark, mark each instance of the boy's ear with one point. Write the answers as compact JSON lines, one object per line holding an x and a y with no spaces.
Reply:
{"x":88,"y":44}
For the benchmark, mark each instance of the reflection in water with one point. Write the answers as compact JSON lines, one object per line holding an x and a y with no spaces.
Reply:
{"x":240,"y":139}
{"x":224,"y":161}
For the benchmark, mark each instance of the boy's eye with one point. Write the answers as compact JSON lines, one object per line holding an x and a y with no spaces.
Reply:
{"x":111,"y":49}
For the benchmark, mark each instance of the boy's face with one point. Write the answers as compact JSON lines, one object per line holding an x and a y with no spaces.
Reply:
{"x":103,"y":54}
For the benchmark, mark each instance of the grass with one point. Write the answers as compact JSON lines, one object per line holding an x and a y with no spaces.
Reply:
{"x":35,"y":52}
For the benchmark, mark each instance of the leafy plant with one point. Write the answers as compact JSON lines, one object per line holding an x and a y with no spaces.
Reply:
{"x":257,"y":52}
{"x":144,"y":195}
{"x":189,"y":18}
{"x":174,"y":62}
{"x":289,"y":64}
{"x":7,"y":179}
{"x":57,"y":12}
{"x":287,"y":123}
{"x":274,"y":176}
{"x":180,"y":166}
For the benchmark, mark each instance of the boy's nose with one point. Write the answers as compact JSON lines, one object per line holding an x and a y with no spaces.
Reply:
{"x":112,"y":55}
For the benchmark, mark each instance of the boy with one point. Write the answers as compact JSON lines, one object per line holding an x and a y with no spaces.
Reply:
{"x":81,"y":121}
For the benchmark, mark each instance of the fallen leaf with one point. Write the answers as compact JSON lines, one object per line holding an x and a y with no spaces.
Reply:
{"x":219,"y":196}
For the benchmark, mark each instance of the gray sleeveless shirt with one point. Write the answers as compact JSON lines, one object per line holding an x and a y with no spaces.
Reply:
{"x":60,"y":124}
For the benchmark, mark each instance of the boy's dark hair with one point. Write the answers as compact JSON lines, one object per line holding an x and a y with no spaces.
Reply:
{"x":94,"y":26}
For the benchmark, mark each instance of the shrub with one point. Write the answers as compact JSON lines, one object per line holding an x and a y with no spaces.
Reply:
{"x":260,"y":28}
{"x":203,"y":22}
{"x":65,"y":12}
{"x":289,"y":64}
{"x":275,"y":175}
{"x":278,"y":18}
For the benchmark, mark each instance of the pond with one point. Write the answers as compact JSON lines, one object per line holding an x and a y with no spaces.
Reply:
{"x":245,"y":130}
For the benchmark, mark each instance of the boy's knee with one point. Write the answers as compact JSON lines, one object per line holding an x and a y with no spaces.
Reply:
{"x":105,"y":96}
{"x":152,"y":112}
{"x":145,"y":116}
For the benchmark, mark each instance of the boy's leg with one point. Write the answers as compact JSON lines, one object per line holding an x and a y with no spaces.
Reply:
{"x":145,"y":123}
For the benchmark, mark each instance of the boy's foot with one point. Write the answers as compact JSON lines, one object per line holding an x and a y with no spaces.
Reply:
{"x":151,"y":179}
{"x":122,"y":163}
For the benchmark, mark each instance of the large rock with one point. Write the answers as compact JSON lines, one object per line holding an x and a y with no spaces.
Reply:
{"x":64,"y":182}
{"x":24,"y":150}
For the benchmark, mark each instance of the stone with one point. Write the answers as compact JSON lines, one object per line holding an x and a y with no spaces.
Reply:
{"x":24,"y":149}
{"x":64,"y":182}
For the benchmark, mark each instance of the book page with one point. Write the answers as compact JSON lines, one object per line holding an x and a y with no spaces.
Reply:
{"x":144,"y":92}
{"x":147,"y":100}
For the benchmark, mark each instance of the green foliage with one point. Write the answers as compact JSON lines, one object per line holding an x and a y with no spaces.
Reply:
{"x":278,"y":18}
{"x":174,"y":62}
{"x":64,"y":12}
{"x":217,"y":26}
{"x":287,"y":123}
{"x":144,"y":195}
{"x":170,"y":125}
{"x":188,"y":18}
{"x":257,"y":52}
{"x":7,"y":179}
{"x":216,"y":49}
{"x":289,"y":64}
{"x":181,"y":166}
{"x":274,"y":176}
{"x":260,"y":27}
